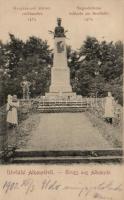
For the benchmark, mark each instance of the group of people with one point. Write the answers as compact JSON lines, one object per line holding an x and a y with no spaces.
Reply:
{"x":12,"y":115}
{"x":13,"y":105}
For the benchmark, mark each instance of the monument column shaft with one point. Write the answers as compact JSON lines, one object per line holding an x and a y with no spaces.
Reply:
{"x":60,"y":73}
{"x":60,"y":54}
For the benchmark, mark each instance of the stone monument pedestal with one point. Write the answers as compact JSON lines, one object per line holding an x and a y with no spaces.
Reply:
{"x":60,"y":72}
{"x":61,"y":95}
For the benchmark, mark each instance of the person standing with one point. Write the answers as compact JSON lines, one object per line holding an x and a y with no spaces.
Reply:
{"x":25,"y":84}
{"x":9,"y":110}
{"x":109,"y":108}
{"x":13,"y":116}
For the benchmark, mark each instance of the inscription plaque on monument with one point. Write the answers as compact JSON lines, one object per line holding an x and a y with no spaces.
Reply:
{"x":60,"y":47}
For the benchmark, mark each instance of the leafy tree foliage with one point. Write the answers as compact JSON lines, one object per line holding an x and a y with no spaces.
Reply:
{"x":31,"y":59}
{"x":95,"y":68}
{"x":98,"y":69}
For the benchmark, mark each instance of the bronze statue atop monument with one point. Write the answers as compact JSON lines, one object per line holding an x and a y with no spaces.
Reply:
{"x":59,"y":30}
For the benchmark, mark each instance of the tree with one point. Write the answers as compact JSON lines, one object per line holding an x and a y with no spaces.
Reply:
{"x":32,"y":59}
{"x":98,"y":68}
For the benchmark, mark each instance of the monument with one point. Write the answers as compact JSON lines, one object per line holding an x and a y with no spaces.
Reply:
{"x":60,"y":73}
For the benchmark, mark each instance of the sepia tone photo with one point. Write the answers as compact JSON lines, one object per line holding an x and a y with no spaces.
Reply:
{"x":61,"y":83}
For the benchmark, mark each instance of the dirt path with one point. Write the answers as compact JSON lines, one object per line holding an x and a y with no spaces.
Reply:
{"x":63,"y":131}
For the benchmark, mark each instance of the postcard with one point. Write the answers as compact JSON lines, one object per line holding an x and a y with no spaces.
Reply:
{"x":61,"y":99}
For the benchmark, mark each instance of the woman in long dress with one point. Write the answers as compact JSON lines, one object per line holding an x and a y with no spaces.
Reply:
{"x":12,"y":116}
{"x":109,"y":108}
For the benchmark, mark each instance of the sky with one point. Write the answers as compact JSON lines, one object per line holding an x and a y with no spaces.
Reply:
{"x":104,"y":27}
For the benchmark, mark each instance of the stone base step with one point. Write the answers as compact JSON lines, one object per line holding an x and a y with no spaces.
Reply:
{"x":49,"y":106}
{"x":62,"y":108}
{"x":63,"y":104}
{"x":67,"y":160}
{"x":55,"y":110}
{"x":98,"y":156}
